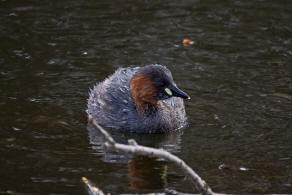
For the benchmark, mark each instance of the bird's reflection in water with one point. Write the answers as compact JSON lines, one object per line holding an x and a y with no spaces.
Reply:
{"x":144,"y":172}
{"x":147,"y":173}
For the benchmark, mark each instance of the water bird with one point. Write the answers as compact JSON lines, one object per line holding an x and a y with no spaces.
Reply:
{"x":138,"y":100}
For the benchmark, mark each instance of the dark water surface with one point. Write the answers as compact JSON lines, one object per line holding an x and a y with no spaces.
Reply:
{"x":238,"y":74}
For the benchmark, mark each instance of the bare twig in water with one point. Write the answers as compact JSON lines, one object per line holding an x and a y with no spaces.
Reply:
{"x":92,"y":190}
{"x":134,"y":148}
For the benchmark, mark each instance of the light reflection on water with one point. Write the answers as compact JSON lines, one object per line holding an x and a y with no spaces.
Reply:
{"x":238,"y":74}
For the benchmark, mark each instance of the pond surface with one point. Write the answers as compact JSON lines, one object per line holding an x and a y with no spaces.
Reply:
{"x":238,"y":73}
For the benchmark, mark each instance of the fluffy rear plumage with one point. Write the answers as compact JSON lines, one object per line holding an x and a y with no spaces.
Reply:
{"x":111,"y":104}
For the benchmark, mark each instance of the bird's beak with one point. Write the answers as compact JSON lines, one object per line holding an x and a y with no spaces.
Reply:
{"x":179,"y":93}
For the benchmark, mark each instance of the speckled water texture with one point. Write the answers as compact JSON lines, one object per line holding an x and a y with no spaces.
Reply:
{"x":238,"y":73}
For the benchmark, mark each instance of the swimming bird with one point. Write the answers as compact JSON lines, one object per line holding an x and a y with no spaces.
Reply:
{"x":139,"y":100}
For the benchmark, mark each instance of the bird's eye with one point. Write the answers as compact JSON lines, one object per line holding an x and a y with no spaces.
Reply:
{"x":168,"y":91}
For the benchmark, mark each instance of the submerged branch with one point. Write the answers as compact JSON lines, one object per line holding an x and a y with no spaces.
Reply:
{"x":134,"y":148}
{"x":92,"y":190}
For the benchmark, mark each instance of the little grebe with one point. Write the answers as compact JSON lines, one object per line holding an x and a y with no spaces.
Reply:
{"x":141,"y":100}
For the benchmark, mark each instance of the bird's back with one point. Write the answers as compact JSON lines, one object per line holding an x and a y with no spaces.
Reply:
{"x":111,"y":104}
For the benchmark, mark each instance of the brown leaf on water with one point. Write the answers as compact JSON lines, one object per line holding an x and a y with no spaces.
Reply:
{"x":188,"y":42}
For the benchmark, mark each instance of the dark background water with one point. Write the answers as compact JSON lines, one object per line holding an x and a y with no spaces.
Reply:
{"x":238,"y":74}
